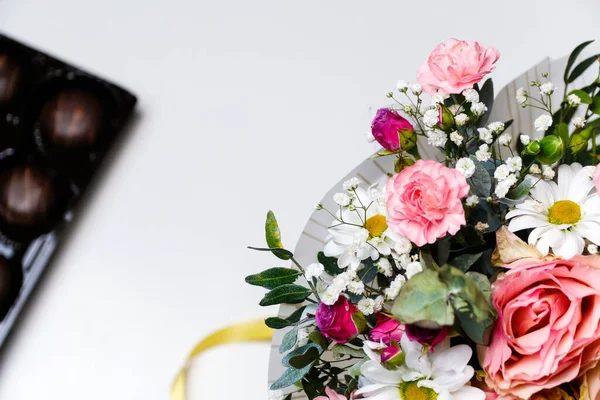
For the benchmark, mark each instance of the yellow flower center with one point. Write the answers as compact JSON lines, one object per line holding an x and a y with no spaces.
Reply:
{"x":412,"y":391}
{"x":376,"y":225}
{"x":564,"y":212}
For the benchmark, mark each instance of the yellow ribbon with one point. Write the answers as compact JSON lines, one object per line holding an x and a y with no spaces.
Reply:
{"x":253,"y":331}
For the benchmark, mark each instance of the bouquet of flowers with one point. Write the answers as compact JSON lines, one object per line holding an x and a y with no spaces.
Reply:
{"x":468,"y":272}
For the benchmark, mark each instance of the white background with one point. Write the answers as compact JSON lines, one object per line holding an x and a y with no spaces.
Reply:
{"x":244,"y":106}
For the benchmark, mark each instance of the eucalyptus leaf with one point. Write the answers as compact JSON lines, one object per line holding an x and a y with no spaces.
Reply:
{"x":316,"y":337}
{"x":290,"y":377}
{"x":347,"y":350}
{"x":480,"y":182}
{"x":464,"y":261}
{"x":289,"y":293}
{"x":299,"y":351}
{"x":483,"y":282}
{"x":273,"y":277}
{"x":302,"y":360}
{"x":573,"y":57}
{"x":289,"y":340}
{"x":521,"y":191}
{"x":582,"y":67}
{"x":355,"y":370}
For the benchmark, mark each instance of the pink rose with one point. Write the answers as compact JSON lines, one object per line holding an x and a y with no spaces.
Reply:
{"x":331,"y":395}
{"x":386,"y":329}
{"x":388,"y":126}
{"x":426,"y":337}
{"x":548,"y":327}
{"x":592,"y":378}
{"x":596,"y":178}
{"x":423,"y":201}
{"x":456,"y":65}
{"x":340,"y":322}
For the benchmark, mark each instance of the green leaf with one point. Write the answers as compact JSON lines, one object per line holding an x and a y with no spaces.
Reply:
{"x":296,"y":315}
{"x":486,"y":96}
{"x":273,"y":277}
{"x":277,"y":323}
{"x":355,"y":370}
{"x":289,"y":340}
{"x":282,"y":254}
{"x":369,"y":272}
{"x":585,"y":98}
{"x":330,"y":264}
{"x":290,"y":294}
{"x":464,"y":261}
{"x":316,"y":337}
{"x":562,"y":130}
{"x":290,"y":376}
{"x":582,"y":67}
{"x":483,"y":283}
{"x":424,"y":297}
{"x":347,"y":350}
{"x":288,"y":397}
{"x":595,"y":107}
{"x":480,"y":182}
{"x":273,"y":236}
{"x":302,"y":360}
{"x":573,"y":57}
{"x":521,"y":191}
{"x":299,"y":351}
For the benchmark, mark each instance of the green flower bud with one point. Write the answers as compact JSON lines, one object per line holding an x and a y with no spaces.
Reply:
{"x":408,"y":139}
{"x":446,"y":119}
{"x":577,"y":142}
{"x":552,"y":149}
{"x":532,"y":148}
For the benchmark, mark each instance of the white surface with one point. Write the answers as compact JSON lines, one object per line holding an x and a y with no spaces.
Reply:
{"x":244,"y":106}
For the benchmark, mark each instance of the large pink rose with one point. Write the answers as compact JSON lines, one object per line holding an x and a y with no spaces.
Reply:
{"x":386,"y":329}
{"x":340,"y":322}
{"x":423,"y":201}
{"x":596,"y":178}
{"x":548,"y":327}
{"x":387,"y":128}
{"x":456,"y":65}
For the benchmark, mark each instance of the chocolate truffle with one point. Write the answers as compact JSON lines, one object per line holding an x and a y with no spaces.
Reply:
{"x":11,"y":280}
{"x":72,"y":119}
{"x":9,"y":78}
{"x":28,"y":200}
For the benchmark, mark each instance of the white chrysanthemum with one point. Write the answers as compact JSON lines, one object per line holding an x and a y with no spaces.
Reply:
{"x":471,"y":95}
{"x":402,"y":86}
{"x":521,"y":96}
{"x":472,"y":200}
{"x":478,"y":108}
{"x":431,"y":117}
{"x":314,"y":270}
{"x":561,"y":215}
{"x":364,"y":234}
{"x":366,"y":306}
{"x":465,"y":166}
{"x":437,"y":138}
{"x":573,"y":100}
{"x":483,"y":154}
{"x":525,"y":139}
{"x":456,"y":138}
{"x":547,"y":88}
{"x":461,"y":119}
{"x":543,"y":122}
{"x":485,"y":135}
{"x":514,"y":164}
{"x":579,"y":122}
{"x":443,"y":374}
{"x":341,"y":199}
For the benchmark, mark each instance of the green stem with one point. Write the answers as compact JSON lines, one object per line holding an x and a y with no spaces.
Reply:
{"x":310,"y":284}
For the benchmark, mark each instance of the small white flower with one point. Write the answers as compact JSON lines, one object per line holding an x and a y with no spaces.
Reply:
{"x":379,"y":300}
{"x":402,"y":86}
{"x":461,"y":119}
{"x":511,"y":179}
{"x":505,"y":139}
{"x":543,"y":122}
{"x":502,"y":172}
{"x":472,"y":201}
{"x":404,"y":259}
{"x":485,"y":135}
{"x":456,"y":109}
{"x":478,"y":108}
{"x":302,"y":338}
{"x":416,"y":89}
{"x":547,"y":88}
{"x":525,"y":139}
{"x":351,"y":184}
{"x":592,"y":249}
{"x":502,"y":188}
{"x":515,"y":164}
{"x":437,"y":138}
{"x":535,"y":169}
{"x":548,"y":172}
{"x":413,"y":268}
{"x":522,"y":96}
{"x":483,"y":154}
{"x":465,"y":166}
{"x":471,"y":95}
{"x":457,"y":138}
{"x":276,"y":395}
{"x":573,"y":100}
{"x":482,"y":226}
{"x":439,"y":97}
{"x":392,"y":292}
{"x":496,"y":127}
{"x":318,"y":206}
{"x":409,"y":109}
{"x":341,"y":199}
{"x":314,"y":270}
{"x":356,"y":287}
{"x":366,"y":306}
{"x":403,"y":245}
{"x":579,"y":122}
{"x":431,"y":117}
{"x":385,"y":267}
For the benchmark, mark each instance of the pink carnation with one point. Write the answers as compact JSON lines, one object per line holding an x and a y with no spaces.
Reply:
{"x":548,"y":327}
{"x":331,"y":395}
{"x":456,"y":65}
{"x":423,"y":201}
{"x":596,"y":178}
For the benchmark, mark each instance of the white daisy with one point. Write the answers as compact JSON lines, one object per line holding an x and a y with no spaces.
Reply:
{"x":561,"y":215}
{"x":364,"y":233}
{"x":441,"y":375}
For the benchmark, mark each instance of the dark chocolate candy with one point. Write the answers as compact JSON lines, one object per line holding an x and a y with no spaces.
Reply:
{"x":28,"y":198}
{"x":11,"y":280}
{"x":72,"y":119}
{"x":9,"y":78}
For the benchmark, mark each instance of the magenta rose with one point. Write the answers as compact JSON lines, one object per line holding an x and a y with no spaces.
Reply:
{"x":386,"y":329}
{"x":340,"y":322}
{"x":456,"y":65}
{"x":388,"y":126}
{"x":424,"y":202}
{"x":426,"y":337}
{"x":548,"y":327}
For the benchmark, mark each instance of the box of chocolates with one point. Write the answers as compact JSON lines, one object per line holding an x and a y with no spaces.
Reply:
{"x":57,"y":123}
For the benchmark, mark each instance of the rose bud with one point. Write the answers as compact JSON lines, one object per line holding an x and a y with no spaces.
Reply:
{"x":552,"y":149}
{"x":386,"y":330}
{"x":340,"y":322}
{"x":392,"y":356}
{"x":426,"y":337}
{"x":392,"y":131}
{"x":446,"y":119}
{"x":533,"y":148}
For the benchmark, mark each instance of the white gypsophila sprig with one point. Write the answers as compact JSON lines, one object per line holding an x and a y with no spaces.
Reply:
{"x":439,"y":97}
{"x":471,"y":95}
{"x":416,"y":89}
{"x":351,"y":184}
{"x":437,"y":138}
{"x":465,"y":166}
{"x":485,"y":135}
{"x":496,"y":127}
{"x":592,"y":249}
{"x":548,"y":173}
{"x":472,"y":200}
{"x":502,"y":172}
{"x":431,"y":118}
{"x":385,"y":267}
{"x":514,"y":164}
{"x":522,"y":96}
{"x":456,"y":138}
{"x":341,"y":199}
{"x":535,"y":169}
{"x":573,"y":100}
{"x":525,"y":139}
{"x":314,"y":270}
{"x":478,"y":109}
{"x":483,"y":154}
{"x":543,"y":122}
{"x":456,"y":109}
{"x":392,"y":292}
{"x":461,"y":119}
{"x":505,"y":139}
{"x":366,"y":306}
{"x":402,"y":86}
{"x":547,"y":88}
{"x":503,"y":186}
{"x":579,"y":122}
